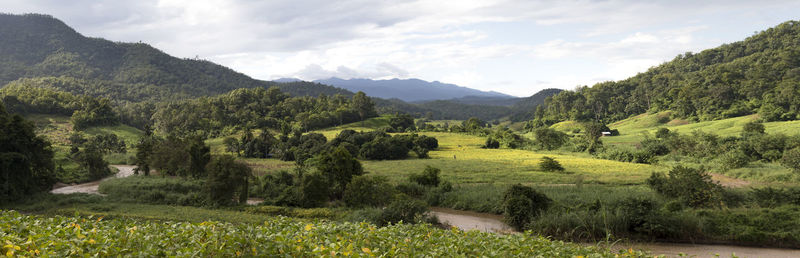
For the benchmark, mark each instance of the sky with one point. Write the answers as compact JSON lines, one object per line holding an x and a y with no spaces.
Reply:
{"x":513,"y":47}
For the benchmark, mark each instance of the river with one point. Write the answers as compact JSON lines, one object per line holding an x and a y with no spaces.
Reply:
{"x":492,"y":223}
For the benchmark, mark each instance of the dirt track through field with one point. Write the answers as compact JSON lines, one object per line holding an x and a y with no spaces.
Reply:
{"x":91,"y":187}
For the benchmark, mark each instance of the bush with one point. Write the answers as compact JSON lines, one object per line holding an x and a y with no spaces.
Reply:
{"x":402,"y":208}
{"x":734,"y":159}
{"x":226,"y":179}
{"x":315,"y":190}
{"x":550,"y":164}
{"x":429,"y":177}
{"x":368,"y":191}
{"x":791,"y":159}
{"x":549,"y":139}
{"x":491,"y":143}
{"x":693,"y":186}
{"x":521,"y":204}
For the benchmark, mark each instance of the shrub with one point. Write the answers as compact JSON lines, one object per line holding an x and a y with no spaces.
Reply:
{"x":521,"y":204}
{"x":734,"y":159}
{"x":791,"y":159}
{"x":550,"y":164}
{"x":402,"y":208}
{"x":693,"y":186}
{"x":368,"y":191}
{"x":491,"y":143}
{"x":429,"y":177}
{"x":315,"y":190}
{"x":226,"y":179}
{"x":549,"y":139}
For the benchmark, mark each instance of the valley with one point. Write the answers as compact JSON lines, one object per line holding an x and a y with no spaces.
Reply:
{"x":119,"y":149}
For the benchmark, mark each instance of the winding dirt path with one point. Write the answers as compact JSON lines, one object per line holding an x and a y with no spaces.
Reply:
{"x":91,"y":187}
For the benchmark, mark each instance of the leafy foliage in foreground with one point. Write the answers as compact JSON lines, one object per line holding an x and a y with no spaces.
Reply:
{"x":69,"y":236}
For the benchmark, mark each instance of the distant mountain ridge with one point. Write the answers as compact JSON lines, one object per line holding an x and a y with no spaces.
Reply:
{"x":410,"y":90}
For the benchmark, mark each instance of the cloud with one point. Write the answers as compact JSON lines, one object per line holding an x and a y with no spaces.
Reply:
{"x":449,"y":41}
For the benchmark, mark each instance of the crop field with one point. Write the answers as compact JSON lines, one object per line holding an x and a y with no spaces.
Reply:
{"x":28,"y":235}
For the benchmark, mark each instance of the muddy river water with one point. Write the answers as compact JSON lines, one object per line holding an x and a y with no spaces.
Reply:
{"x":493,"y":223}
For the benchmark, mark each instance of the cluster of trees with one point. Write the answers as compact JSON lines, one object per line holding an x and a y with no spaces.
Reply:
{"x":299,"y":147}
{"x":338,"y":177}
{"x":260,"y":108}
{"x":758,"y":75}
{"x":86,"y":111}
{"x":88,"y":153}
{"x":26,"y":160}
{"x":226,"y":181}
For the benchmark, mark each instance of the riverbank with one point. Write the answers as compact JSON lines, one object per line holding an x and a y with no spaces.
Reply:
{"x":467,"y":220}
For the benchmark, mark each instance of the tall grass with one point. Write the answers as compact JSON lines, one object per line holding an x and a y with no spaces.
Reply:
{"x":155,"y":190}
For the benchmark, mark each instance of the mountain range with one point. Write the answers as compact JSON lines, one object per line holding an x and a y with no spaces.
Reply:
{"x":411,"y":90}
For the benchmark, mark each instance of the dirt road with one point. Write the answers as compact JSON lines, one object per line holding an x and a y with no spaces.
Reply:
{"x":91,"y":187}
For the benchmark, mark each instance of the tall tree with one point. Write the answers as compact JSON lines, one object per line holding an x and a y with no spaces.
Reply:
{"x":340,"y":167}
{"x":227,"y":179}
{"x":26,"y":160}
{"x":144,"y":149}
{"x":363,"y":105}
{"x":199,"y":155}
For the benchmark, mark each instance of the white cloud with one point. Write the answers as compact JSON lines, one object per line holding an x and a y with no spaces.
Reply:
{"x":434,"y":40}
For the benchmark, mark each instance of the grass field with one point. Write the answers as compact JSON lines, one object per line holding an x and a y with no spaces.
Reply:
{"x":632,"y":130}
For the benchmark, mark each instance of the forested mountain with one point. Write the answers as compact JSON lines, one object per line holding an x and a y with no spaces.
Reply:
{"x":409,"y":89}
{"x":40,"y":50}
{"x":523,"y":108}
{"x":47,"y":67}
{"x":758,"y":75}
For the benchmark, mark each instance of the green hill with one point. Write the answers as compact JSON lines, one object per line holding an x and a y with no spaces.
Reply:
{"x":760,"y":74}
{"x":632,"y":130}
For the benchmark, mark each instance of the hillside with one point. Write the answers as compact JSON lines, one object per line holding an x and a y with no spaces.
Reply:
{"x":42,"y":48}
{"x":409,"y":89}
{"x":524,"y":108}
{"x":632,"y":130}
{"x":760,"y":74}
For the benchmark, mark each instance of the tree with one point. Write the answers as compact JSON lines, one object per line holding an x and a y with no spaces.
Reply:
{"x":315,"y":190}
{"x":339,"y":167}
{"x":363,"y":105}
{"x":232,"y":145}
{"x":692,"y":186}
{"x":227,"y":180}
{"x":549,"y":139}
{"x":26,"y":160}
{"x":368,"y":191}
{"x":401,"y":122}
{"x":791,"y":159}
{"x":429,"y":177}
{"x":91,"y":160}
{"x":752,"y":129}
{"x":550,"y":164}
{"x":491,"y":143}
{"x":144,"y":150}
{"x":199,"y":155}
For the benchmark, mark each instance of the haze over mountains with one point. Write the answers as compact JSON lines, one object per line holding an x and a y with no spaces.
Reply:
{"x":409,"y":89}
